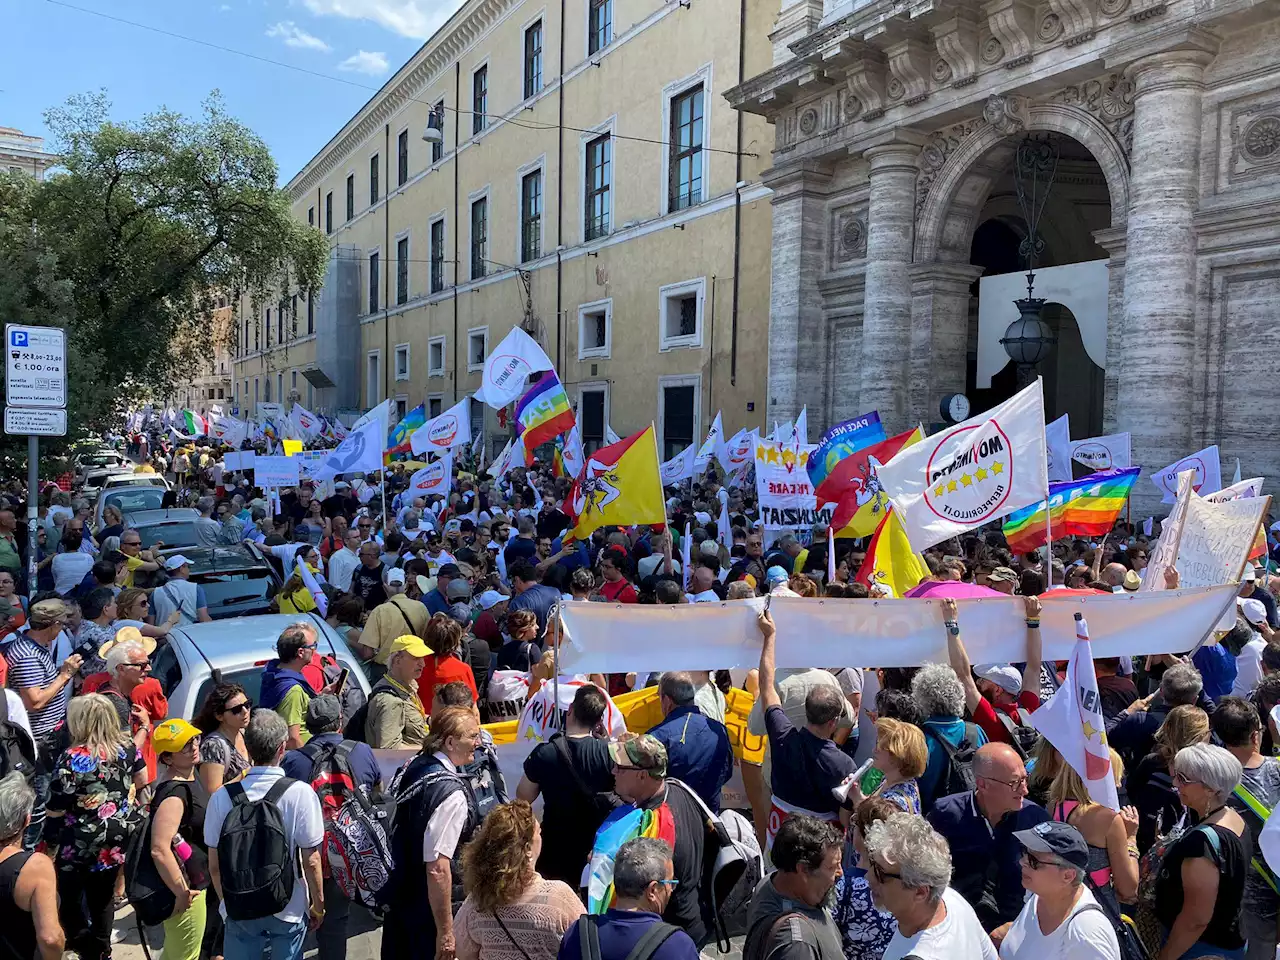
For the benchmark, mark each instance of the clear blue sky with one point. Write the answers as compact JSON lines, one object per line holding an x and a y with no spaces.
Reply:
{"x":52,"y":52}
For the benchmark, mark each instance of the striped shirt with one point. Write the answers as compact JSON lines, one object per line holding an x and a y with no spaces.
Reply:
{"x":33,"y":665}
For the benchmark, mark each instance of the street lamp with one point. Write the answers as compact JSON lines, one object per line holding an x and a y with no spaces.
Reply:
{"x":1029,"y":340}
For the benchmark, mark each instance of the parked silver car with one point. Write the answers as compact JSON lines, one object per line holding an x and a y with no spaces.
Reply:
{"x":235,"y":651}
{"x":129,"y":499}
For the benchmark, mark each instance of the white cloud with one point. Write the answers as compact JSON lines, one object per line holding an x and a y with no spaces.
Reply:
{"x":409,"y":18}
{"x":374,"y":64}
{"x":294,"y":36}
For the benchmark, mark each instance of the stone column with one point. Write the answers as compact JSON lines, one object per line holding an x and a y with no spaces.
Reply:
{"x":797,"y":331}
{"x":886,"y":317}
{"x":939,"y":335}
{"x":1154,"y":400}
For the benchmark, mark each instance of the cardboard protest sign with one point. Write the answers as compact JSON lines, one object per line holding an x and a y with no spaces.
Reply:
{"x":785,"y":492}
{"x":275,"y":472}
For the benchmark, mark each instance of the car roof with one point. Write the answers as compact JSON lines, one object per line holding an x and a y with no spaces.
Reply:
{"x":119,"y":470}
{"x":149,"y":518}
{"x":239,"y":641}
{"x":230,"y":556}
{"x":144,"y":479}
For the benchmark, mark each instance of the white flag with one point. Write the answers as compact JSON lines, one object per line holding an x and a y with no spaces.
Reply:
{"x":610,"y":437}
{"x":434,"y":479}
{"x":800,"y":431}
{"x":508,"y":367}
{"x":1057,"y":445}
{"x":715,"y":438}
{"x":451,"y":429}
{"x":1072,"y":721}
{"x":512,"y":456}
{"x":739,"y":454}
{"x":1208,"y":474}
{"x":686,"y":562}
{"x":1103,"y":453}
{"x":679,"y":468}
{"x":307,"y":423}
{"x":1148,"y":526}
{"x":723,"y":531}
{"x":233,"y":431}
{"x":381,"y":413}
{"x":1236,"y":478}
{"x":971,"y":474}
{"x":361,"y":452}
{"x":574,"y":461}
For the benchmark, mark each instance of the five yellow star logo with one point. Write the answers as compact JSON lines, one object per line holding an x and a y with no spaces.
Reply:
{"x":980,"y":473}
{"x":788,"y":458}
{"x":1089,"y":730}
{"x":937,"y":491}
{"x":997,"y":467}
{"x":966,"y":480}
{"x":951,"y":486}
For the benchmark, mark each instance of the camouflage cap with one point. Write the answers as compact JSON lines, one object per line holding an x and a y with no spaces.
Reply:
{"x":640,"y":752}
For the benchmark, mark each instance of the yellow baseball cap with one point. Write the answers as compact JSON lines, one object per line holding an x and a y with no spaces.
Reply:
{"x":172,"y":736}
{"x":411,"y":645}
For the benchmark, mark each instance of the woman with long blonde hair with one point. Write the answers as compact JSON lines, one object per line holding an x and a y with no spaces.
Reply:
{"x":90,"y":818}
{"x":1113,"y":851}
{"x":510,"y":908}
{"x":1151,"y":782}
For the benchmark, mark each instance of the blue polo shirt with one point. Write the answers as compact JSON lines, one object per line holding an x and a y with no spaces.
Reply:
{"x":620,"y":931}
{"x":698,"y":752}
{"x":984,"y":859}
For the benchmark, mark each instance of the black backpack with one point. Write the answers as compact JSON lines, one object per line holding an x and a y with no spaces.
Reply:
{"x":654,"y":936}
{"x":17,"y":749}
{"x":357,"y":727}
{"x":959,"y":776}
{"x":257,"y":866}
{"x":152,"y":901}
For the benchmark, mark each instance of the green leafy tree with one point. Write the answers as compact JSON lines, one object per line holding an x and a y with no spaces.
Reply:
{"x":130,"y":240}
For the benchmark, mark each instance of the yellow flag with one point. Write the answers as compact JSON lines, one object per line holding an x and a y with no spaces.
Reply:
{"x":863,"y":507}
{"x":620,"y":487}
{"x":292,"y":446}
{"x":890,"y":559}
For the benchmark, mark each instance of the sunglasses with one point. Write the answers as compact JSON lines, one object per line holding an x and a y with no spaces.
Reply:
{"x":240,"y":707}
{"x":1035,"y":864}
{"x":883,"y":875}
{"x":669,"y":883}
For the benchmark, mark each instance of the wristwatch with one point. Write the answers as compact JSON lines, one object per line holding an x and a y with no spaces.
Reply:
{"x":953,"y":627}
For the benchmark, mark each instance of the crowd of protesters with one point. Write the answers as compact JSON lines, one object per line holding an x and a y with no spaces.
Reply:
{"x":902,"y":812}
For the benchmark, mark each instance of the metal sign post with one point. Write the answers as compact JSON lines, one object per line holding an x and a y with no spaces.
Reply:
{"x":35,"y":405}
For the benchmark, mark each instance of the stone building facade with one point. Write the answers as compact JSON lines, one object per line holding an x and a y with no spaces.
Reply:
{"x":895,"y":127}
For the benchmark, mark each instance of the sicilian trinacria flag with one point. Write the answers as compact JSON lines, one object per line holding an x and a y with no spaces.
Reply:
{"x":890,"y":560}
{"x":864,"y":503}
{"x":973,"y":473}
{"x":833,"y":468}
{"x":543,"y":413}
{"x":1072,"y":721}
{"x":620,"y":487}
{"x":1087,"y":507}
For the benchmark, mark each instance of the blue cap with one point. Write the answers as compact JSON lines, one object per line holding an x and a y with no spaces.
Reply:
{"x":776,"y":574}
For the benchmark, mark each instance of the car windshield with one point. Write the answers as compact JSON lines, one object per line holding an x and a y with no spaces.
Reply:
{"x":135,"y":479}
{"x":172,"y":534}
{"x":235,"y":587}
{"x":133,"y":500}
{"x":100,"y":460}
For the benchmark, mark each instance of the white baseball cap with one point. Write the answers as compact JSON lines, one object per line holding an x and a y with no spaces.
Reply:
{"x":176,"y":561}
{"x":395,"y":575}
{"x":1004,"y":676}
{"x":1253,"y":610}
{"x":1250,"y":573}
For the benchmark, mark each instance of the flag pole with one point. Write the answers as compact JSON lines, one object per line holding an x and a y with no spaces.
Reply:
{"x":831,"y":554}
{"x":555,"y":660}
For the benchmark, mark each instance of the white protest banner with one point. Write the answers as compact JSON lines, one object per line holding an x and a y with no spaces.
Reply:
{"x":306,"y":423}
{"x":361,"y":452}
{"x":275,"y":472}
{"x":618,"y":638}
{"x":1238,"y":490}
{"x":241,"y":461}
{"x":309,"y":462}
{"x":1217,"y":539}
{"x":451,"y":429}
{"x":971,"y":474}
{"x":1103,"y":453}
{"x":1057,"y":447}
{"x":784,"y":491}
{"x":679,"y":468}
{"x":1164,"y":554}
{"x":434,"y":479}
{"x":508,"y":367}
{"x":1207,"y":479}
{"x":715,"y":439}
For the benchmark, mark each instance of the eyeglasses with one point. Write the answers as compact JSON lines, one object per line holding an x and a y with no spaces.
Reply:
{"x":364,"y":524}
{"x":144,"y":665}
{"x":1183,"y":779}
{"x":1017,"y":783}
{"x":883,"y":875}
{"x":240,"y":707}
{"x":144,"y":602}
{"x":1030,"y":860}
{"x":669,"y":883}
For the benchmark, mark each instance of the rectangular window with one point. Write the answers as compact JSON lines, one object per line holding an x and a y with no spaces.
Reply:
{"x":402,"y":407}
{"x":479,"y":98}
{"x":351,"y":196}
{"x":533,"y":60}
{"x":435,"y":357}
{"x":592,"y":418}
{"x":594,"y":333}
{"x":435,"y":406}
{"x":268,"y":326}
{"x":477,"y":348}
{"x":599,"y":164}
{"x":402,"y":361}
{"x":677,"y":418}
{"x":685,"y":161}
{"x":600,"y":25}
{"x":293,"y":380}
{"x":373,"y":281}
{"x":437,"y":149}
{"x":680,"y":314}
{"x":373,"y":179}
{"x":255,"y":391}
{"x":531,"y":216}
{"x":437,"y":256}
{"x":373,"y":378}
{"x":311,"y":216}
{"x":280,"y":387}
{"x":479,"y":237}
{"x":402,"y":270}
{"x":293,"y":317}
{"x":266,"y":390}
{"x":402,"y":158}
{"x":311,"y":313}
{"x":328,"y":212}
{"x":280,"y":323}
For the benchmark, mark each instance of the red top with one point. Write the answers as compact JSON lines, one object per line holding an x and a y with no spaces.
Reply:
{"x":439,"y":670}
{"x":147,"y":695}
{"x":620,"y":591}
{"x":985,"y":715}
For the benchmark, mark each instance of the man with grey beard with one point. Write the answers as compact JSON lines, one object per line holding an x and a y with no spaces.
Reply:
{"x":790,"y":917}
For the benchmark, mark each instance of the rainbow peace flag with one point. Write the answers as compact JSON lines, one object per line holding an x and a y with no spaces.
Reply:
{"x":1087,"y":507}
{"x":543,"y":413}
{"x":625,"y":823}
{"x":398,"y":437}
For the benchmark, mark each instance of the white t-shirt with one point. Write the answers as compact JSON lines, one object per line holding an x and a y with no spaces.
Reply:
{"x":69,"y":569}
{"x":1249,"y":667}
{"x":300,"y":811}
{"x":958,"y":935}
{"x":444,"y":828}
{"x":1086,"y":934}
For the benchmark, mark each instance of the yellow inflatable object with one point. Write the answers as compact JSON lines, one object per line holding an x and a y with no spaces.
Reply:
{"x":643,"y":711}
